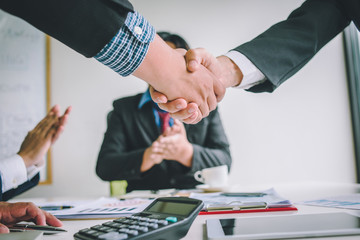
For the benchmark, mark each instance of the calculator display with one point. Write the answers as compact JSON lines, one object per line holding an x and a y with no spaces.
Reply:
{"x":176,"y":208}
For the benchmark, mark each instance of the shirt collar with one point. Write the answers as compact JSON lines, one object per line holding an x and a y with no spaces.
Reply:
{"x":146,"y":98}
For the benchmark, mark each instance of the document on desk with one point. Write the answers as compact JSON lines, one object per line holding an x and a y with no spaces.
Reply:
{"x":102,"y":208}
{"x":236,"y":200}
{"x":351,"y":201}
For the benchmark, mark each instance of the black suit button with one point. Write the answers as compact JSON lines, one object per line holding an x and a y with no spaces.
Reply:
{"x":172,"y":181}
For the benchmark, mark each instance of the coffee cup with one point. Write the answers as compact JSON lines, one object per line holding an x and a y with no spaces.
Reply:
{"x":213,"y":177}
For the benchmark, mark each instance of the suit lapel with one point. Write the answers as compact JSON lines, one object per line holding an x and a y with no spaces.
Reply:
{"x":145,"y":121}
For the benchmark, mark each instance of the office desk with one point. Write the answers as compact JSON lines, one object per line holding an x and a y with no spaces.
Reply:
{"x":293,"y":192}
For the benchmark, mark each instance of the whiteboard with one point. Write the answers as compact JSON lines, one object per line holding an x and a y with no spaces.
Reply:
{"x":23,"y":84}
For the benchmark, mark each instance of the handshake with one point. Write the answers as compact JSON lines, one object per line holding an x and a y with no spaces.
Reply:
{"x":190,"y":84}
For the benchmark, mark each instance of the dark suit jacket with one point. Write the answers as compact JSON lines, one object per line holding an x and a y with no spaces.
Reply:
{"x":132,"y":130}
{"x":287,"y":46}
{"x":84,"y":25}
{"x":4,"y":196}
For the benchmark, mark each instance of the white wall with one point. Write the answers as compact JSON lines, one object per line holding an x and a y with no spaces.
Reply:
{"x":301,"y":132}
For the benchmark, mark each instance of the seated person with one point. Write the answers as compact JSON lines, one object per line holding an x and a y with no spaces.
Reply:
{"x":152,"y":151}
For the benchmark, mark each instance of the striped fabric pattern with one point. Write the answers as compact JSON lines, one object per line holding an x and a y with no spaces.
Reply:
{"x":126,"y":51}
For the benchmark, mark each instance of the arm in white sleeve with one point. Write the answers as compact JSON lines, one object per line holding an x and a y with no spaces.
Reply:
{"x":14,"y":172}
{"x":251,"y":74}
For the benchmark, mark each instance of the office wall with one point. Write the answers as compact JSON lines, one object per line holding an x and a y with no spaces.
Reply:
{"x":301,"y":132}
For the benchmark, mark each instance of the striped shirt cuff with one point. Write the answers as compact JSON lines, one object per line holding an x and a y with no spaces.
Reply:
{"x":126,"y":51}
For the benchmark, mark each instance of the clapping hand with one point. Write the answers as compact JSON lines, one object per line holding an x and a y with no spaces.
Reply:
{"x":38,"y":141}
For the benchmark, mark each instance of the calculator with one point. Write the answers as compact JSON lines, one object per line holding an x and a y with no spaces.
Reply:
{"x":164,"y":218}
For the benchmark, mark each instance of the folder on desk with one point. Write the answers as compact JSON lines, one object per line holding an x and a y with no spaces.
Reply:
{"x":248,"y":210}
{"x":221,"y":203}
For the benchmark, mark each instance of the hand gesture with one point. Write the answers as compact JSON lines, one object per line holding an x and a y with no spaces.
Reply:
{"x":38,"y":141}
{"x":222,"y":67}
{"x":174,"y":144}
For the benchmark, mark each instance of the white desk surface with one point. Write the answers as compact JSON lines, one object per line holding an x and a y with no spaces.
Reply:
{"x":293,"y":192}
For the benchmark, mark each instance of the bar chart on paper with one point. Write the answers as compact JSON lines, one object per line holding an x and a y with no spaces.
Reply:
{"x":351,"y":201}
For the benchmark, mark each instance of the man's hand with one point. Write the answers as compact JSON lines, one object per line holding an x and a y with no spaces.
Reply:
{"x":175,"y":145}
{"x":11,"y":213}
{"x":222,"y":67}
{"x":152,"y":156}
{"x":165,"y":70}
{"x":171,"y":145}
{"x":38,"y":141}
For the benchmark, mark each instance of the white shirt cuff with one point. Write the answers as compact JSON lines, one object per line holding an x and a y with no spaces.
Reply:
{"x":251,"y":74}
{"x":14,"y":172}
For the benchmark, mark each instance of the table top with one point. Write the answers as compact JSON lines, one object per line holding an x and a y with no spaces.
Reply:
{"x":293,"y":192}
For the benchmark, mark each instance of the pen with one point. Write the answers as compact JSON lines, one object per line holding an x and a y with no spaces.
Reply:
{"x":31,"y":227}
{"x":243,"y":194}
{"x":54,"y":208}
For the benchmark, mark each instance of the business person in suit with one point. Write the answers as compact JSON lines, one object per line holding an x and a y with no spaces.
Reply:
{"x":20,"y":172}
{"x":144,"y":146}
{"x":264,"y":63}
{"x":120,"y":38}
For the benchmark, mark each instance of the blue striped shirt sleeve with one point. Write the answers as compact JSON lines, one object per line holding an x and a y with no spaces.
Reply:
{"x":128,"y":48}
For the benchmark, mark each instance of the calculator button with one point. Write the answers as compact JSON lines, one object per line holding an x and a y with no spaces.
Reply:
{"x":84,"y":231}
{"x":97,"y":227}
{"x":144,"y":219}
{"x":113,"y":236}
{"x":143,"y":229}
{"x":124,"y":230}
{"x":108,"y":229}
{"x":103,"y":229}
{"x":96,"y":234}
{"x":153,"y":225}
{"x":108,"y":223}
{"x":171,"y":219}
{"x":91,"y":232}
{"x":163,"y":222}
{"x":133,"y":232}
{"x":153,"y":220}
{"x":145,"y":224}
{"x":121,"y":220}
{"x":133,"y":227}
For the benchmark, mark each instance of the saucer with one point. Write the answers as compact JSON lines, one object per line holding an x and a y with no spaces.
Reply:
{"x":207,"y":188}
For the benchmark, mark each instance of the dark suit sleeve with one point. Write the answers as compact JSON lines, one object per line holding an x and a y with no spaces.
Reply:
{"x":286,"y":47}
{"x":4,"y":196}
{"x":216,"y":150}
{"x":115,"y":162}
{"x":84,"y":25}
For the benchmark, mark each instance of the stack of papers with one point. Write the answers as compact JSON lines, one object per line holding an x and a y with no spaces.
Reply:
{"x":100,"y":208}
{"x":269,"y":197}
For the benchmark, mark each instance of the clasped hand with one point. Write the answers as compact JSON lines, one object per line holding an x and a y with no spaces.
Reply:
{"x":171,"y":145}
{"x":227,"y":74}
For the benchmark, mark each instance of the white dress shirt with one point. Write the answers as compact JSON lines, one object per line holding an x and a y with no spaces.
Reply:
{"x":251,"y":74}
{"x":14,"y":172}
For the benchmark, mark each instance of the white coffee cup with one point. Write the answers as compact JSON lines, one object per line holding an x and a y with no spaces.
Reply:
{"x":213,"y":177}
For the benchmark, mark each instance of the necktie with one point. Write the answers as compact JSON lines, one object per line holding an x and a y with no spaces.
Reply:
{"x":164,"y":120}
